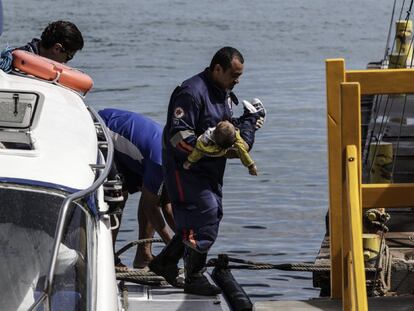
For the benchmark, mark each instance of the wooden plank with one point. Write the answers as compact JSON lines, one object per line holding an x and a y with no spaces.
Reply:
{"x":351,"y":135}
{"x":383,"y":81}
{"x":387,"y":195}
{"x":335,"y":75}
{"x":357,"y":292}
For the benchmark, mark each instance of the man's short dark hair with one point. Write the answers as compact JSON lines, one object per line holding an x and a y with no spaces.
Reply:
{"x":63,"y":32}
{"x":224,"y":56}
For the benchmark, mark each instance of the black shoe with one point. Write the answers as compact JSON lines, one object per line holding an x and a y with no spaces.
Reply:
{"x":198,"y":284}
{"x":165,"y":264}
{"x":195,"y":282}
{"x":169,"y":271}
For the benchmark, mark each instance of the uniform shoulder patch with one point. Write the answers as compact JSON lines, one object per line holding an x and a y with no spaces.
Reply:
{"x":179,"y":112}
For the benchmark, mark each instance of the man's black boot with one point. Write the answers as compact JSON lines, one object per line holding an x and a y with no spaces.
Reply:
{"x":195,"y":281}
{"x":165,"y":263}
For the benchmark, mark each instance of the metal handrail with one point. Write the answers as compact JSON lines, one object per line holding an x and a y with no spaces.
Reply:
{"x":64,"y":210}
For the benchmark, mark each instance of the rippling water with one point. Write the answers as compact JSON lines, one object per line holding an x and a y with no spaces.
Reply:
{"x":138,"y":51}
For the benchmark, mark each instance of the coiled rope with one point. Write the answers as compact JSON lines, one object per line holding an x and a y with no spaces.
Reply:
{"x":139,"y":276}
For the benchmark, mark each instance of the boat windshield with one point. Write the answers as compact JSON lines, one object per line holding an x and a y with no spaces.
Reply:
{"x":27,"y":227}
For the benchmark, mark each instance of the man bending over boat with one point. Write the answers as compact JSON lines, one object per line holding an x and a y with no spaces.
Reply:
{"x":137,"y":144}
{"x":59,"y":41}
{"x":200,"y":103}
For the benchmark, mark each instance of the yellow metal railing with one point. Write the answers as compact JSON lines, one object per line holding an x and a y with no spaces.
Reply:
{"x":353,"y":268}
{"x":344,"y":90}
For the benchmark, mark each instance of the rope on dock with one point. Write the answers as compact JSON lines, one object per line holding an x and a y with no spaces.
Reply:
{"x":145,"y":277}
{"x":134,"y":243}
{"x":139,"y":276}
{"x":223,"y":262}
{"x":124,"y":290}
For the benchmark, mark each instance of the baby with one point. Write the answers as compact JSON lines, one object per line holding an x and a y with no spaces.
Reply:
{"x":216,"y":141}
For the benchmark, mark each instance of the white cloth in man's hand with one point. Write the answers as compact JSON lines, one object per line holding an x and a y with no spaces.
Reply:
{"x":256,"y":106}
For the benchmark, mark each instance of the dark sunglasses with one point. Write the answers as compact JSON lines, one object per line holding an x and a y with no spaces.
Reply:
{"x":69,"y":54}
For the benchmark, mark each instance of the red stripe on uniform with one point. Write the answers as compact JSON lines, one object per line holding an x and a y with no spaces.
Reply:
{"x":181,"y":148}
{"x":179,"y":187}
{"x":183,"y":145}
{"x":191,"y":238}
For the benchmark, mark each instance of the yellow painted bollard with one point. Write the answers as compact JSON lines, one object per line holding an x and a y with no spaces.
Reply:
{"x":380,"y":159}
{"x":398,"y":60}
{"x":404,"y":32}
{"x":371,"y":245}
{"x":402,"y":55}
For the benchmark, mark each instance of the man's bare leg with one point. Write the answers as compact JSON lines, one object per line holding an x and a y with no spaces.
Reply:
{"x":149,"y":218}
{"x":143,"y":254}
{"x":168,"y":215}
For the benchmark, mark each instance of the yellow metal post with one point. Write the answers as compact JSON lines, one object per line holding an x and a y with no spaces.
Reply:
{"x":355,"y":294}
{"x":335,"y":75}
{"x":351,"y":135}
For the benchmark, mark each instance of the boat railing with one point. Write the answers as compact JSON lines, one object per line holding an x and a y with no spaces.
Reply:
{"x":344,"y":90}
{"x":102,"y":172}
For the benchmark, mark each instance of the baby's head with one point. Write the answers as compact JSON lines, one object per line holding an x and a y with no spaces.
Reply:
{"x":224,"y":134}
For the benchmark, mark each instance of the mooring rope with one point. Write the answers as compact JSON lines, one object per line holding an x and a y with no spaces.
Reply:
{"x":146,"y":277}
{"x":134,"y":243}
{"x":139,"y":276}
{"x":223,"y":260}
{"x":143,"y":280}
{"x":124,"y":290}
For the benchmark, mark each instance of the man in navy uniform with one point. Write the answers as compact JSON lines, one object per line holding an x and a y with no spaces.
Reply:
{"x":196,"y":194}
{"x":137,"y":144}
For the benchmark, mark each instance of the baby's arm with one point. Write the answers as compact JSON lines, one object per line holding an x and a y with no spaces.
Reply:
{"x":195,"y":155}
{"x":244,"y":155}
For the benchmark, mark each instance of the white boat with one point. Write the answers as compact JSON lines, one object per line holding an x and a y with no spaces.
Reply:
{"x":55,"y":235}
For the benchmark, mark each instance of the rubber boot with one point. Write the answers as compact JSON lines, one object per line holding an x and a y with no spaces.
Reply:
{"x":195,"y":281}
{"x":165,"y":263}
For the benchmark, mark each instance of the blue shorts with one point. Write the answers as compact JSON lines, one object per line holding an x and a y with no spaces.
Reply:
{"x":152,"y":177}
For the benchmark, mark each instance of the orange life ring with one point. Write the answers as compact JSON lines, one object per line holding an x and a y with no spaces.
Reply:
{"x":50,"y":70}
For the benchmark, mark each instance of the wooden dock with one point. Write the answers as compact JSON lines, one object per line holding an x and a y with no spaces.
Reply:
{"x":387,"y":119}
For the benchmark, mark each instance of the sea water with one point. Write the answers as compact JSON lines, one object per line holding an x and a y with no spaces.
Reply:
{"x":138,"y":51}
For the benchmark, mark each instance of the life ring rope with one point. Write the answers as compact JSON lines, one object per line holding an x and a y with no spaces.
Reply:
{"x":57,"y":78}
